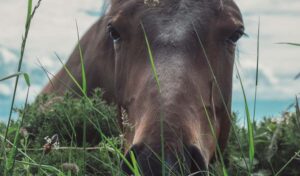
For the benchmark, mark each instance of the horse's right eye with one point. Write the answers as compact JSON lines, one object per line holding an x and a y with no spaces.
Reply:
{"x":236,"y":35}
{"x":113,"y":33}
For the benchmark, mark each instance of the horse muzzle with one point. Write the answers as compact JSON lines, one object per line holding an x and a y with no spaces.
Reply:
{"x":150,"y":162}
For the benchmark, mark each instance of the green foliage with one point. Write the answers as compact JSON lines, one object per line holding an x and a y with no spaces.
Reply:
{"x":64,"y":116}
{"x":276,"y":140}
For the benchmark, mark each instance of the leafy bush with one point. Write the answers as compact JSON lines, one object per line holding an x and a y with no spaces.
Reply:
{"x":277,"y":141}
{"x":63,"y":117}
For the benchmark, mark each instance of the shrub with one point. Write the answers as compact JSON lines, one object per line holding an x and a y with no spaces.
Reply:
{"x":64,"y":116}
{"x":276,"y":142}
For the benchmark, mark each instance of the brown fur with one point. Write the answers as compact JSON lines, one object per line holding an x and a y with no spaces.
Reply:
{"x":123,"y":70}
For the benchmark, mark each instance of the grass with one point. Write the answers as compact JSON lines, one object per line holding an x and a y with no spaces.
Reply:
{"x":273,"y":146}
{"x":219,"y":153}
{"x":257,"y":68}
{"x":249,"y":125}
{"x":104,"y":154}
{"x":11,"y":159}
{"x":220,"y":92}
{"x":153,"y":68}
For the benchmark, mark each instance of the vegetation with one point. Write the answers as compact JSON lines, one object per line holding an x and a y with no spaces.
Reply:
{"x":60,"y":119}
{"x":276,"y":140}
{"x":277,"y":143}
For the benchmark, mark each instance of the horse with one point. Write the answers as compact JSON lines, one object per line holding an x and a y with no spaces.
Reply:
{"x":167,"y":65}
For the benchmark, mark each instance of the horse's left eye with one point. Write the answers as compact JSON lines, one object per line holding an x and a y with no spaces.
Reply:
{"x":236,"y":36}
{"x":113,"y":33}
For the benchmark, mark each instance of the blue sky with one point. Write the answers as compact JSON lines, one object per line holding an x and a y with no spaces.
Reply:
{"x":53,"y":30}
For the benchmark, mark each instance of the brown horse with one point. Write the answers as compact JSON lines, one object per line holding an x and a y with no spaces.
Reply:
{"x":179,"y":123}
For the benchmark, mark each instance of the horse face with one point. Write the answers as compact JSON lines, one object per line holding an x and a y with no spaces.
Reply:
{"x":183,"y":115}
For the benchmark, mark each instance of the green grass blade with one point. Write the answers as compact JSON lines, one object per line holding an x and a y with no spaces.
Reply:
{"x":71,"y":75}
{"x":219,"y":153}
{"x":26,"y":77}
{"x":29,"y":11}
{"x":48,"y":74}
{"x":11,"y":76}
{"x":118,"y":152}
{"x":135,"y":164}
{"x":289,"y":43}
{"x":257,"y":68}
{"x":159,"y":88}
{"x":45,"y":167}
{"x":23,"y":45}
{"x":20,"y":151}
{"x":83,"y":75}
{"x":76,"y":83}
{"x":84,"y":89}
{"x":221,"y":95}
{"x":10,"y":163}
{"x":249,"y":124}
{"x":151,"y":58}
{"x":112,"y":145}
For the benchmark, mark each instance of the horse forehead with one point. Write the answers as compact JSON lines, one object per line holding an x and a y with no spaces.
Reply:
{"x":182,"y":23}
{"x":179,"y":6}
{"x":174,"y":22}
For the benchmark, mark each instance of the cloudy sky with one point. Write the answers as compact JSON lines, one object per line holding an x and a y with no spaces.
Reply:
{"x":54,"y":30}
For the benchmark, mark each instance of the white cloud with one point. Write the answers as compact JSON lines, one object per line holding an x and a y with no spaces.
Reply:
{"x":5,"y":90}
{"x":280,"y":22}
{"x":7,"y":56}
{"x":53,"y":30}
{"x":269,"y":6}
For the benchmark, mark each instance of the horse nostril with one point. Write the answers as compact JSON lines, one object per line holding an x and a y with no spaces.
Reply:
{"x":190,"y":161}
{"x":197,"y":166}
{"x":148,"y":161}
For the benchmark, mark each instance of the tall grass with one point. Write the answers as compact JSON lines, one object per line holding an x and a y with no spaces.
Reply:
{"x":257,"y":69}
{"x":289,"y":43}
{"x":249,"y":125}
{"x":213,"y":131}
{"x":83,"y":90}
{"x":220,"y":92}
{"x":9,"y":162}
{"x":11,"y":159}
{"x":153,"y":68}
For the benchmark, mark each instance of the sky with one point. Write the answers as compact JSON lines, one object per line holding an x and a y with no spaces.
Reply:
{"x":53,"y":30}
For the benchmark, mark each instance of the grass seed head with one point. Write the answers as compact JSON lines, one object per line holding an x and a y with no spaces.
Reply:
{"x":70,"y":167}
